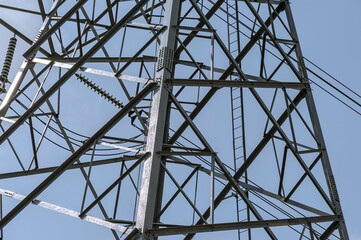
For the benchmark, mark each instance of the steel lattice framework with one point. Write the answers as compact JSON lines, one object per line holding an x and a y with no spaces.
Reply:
{"x":182,"y":117}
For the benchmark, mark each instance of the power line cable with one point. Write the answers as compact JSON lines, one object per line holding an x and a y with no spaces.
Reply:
{"x":336,"y":98}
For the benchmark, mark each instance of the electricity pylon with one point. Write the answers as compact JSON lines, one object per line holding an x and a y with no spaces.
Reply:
{"x":201,"y":119}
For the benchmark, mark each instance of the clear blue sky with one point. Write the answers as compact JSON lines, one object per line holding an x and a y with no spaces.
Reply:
{"x":330,"y":36}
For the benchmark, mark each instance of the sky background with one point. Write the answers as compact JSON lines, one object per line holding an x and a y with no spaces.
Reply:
{"x":330,"y":37}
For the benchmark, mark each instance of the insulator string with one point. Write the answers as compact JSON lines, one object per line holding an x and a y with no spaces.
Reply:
{"x":7,"y":63}
{"x":99,"y":91}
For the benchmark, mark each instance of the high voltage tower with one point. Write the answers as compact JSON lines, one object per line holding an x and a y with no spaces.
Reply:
{"x":163,"y":119}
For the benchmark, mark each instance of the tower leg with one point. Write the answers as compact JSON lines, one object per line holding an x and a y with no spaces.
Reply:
{"x":151,"y":169}
{"x":317,"y":129}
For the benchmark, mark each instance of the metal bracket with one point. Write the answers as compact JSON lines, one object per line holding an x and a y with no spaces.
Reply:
{"x":165,"y":59}
{"x":133,"y":234}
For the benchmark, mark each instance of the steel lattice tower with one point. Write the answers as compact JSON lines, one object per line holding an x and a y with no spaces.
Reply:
{"x":165,"y":119}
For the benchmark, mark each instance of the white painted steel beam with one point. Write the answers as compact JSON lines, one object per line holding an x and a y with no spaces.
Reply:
{"x":92,"y":71}
{"x":66,"y":211}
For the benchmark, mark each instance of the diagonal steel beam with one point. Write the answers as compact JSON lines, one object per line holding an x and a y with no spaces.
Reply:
{"x":72,"y":70}
{"x":267,"y":137}
{"x":191,"y":57}
{"x":263,"y":105}
{"x":118,"y":74}
{"x":231,"y":180}
{"x":100,"y":16}
{"x":177,"y":192}
{"x":328,"y":232}
{"x":114,"y":184}
{"x":148,"y":10}
{"x":110,"y":12}
{"x":302,"y":178}
{"x":26,"y":65}
{"x":208,"y":15}
{"x":126,"y":92}
{"x":45,"y":36}
{"x":277,"y":45}
{"x":22,"y":36}
{"x":292,"y":148}
{"x":42,"y":10}
{"x":252,"y":187}
{"x":43,"y":15}
{"x":14,"y":151}
{"x":183,"y":193}
{"x":76,"y":155}
{"x":91,"y":187}
{"x":226,"y":73}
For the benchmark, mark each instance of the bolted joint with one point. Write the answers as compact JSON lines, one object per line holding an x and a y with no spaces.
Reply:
{"x":2,"y":87}
{"x":133,"y":234}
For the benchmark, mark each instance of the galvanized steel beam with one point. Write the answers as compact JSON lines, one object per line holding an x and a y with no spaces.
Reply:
{"x":238,"y":225}
{"x":228,"y":83}
{"x":157,"y":124}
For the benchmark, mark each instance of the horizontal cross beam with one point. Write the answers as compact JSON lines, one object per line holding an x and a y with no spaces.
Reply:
{"x":238,"y":225}
{"x":74,"y":166}
{"x":227,"y":83}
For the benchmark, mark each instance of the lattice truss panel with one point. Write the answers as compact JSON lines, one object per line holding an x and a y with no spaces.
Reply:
{"x":178,"y":120}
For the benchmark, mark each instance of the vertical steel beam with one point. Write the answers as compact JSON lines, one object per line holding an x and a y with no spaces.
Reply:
{"x":317,"y":128}
{"x":211,"y":207}
{"x":150,"y":176}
